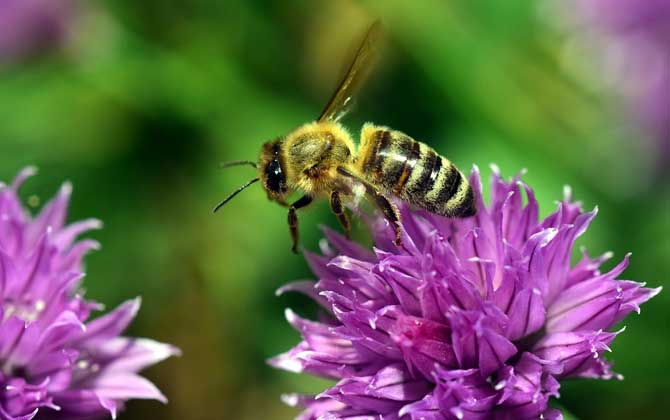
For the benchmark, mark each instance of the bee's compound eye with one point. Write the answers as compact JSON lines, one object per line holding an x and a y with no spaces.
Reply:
{"x":276,"y":181}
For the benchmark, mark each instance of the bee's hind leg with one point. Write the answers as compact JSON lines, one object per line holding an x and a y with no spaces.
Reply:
{"x":390,"y":212}
{"x":338,"y":209}
{"x":304,"y":201}
{"x":388,"y":209}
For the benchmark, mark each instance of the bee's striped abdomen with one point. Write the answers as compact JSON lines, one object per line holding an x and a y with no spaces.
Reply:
{"x":414,"y":172}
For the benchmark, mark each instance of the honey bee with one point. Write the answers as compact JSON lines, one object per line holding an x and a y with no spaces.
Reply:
{"x":320,"y":159}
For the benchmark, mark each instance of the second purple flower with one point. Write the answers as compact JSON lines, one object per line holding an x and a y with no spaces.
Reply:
{"x":55,"y":362}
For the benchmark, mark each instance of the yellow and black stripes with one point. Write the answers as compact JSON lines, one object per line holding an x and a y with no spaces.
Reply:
{"x":414,"y":172}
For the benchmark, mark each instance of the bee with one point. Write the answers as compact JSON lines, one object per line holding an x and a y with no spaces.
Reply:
{"x":321,"y":160}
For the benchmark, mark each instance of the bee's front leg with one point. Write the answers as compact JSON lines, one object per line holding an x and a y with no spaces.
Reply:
{"x":338,"y":209}
{"x":304,"y":201}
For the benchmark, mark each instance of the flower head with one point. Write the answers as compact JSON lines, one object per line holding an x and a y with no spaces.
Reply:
{"x":628,"y":41}
{"x":470,"y":319}
{"x":29,"y":27}
{"x":56,"y":363}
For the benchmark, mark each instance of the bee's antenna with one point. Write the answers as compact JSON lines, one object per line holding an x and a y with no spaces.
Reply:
{"x":224,"y":165}
{"x":234,"y":193}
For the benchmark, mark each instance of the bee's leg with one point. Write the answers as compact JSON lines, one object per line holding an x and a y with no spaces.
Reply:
{"x":293,"y":219}
{"x":338,"y":209}
{"x":387,"y":208}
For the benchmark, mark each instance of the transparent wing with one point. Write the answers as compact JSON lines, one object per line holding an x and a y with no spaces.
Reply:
{"x":358,"y":71}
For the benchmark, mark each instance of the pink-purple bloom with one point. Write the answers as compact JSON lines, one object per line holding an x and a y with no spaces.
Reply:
{"x":29,"y":27}
{"x":631,"y":41}
{"x":55,"y":362}
{"x":477,"y":318}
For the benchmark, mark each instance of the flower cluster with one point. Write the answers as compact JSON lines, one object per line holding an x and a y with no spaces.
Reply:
{"x":55,"y":363}
{"x":30,"y":27}
{"x":474,"y":318}
{"x":629,"y":40}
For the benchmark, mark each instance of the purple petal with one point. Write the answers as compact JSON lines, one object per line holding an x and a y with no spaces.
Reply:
{"x":368,"y":329}
{"x":320,"y":338}
{"x":464,"y":394}
{"x":315,"y":409}
{"x":306,"y":287}
{"x":593,"y":304}
{"x":72,"y":259}
{"x":352,"y":393}
{"x":395,"y":383}
{"x":385,"y":392}
{"x":357,"y":280}
{"x":33,"y":271}
{"x":551,"y":414}
{"x":83,"y":404}
{"x":519,"y":222}
{"x":12,"y":329}
{"x":572,"y":350}
{"x":426,"y":409}
{"x":557,"y":253}
{"x":125,"y":385}
{"x":526,"y":314}
{"x":589,"y":305}
{"x":24,"y":174}
{"x":113,"y":323}
{"x":404,"y":284}
{"x":53,"y":214}
{"x":65,"y":237}
{"x":347,"y":247}
{"x":325,"y":354}
{"x":481,"y":256}
{"x":6,"y":416}
{"x":424,"y":344}
{"x":318,"y":265}
{"x":7,"y":271}
{"x":452,"y":291}
{"x":21,"y":399}
{"x":527,"y":388}
{"x":477,"y":343}
{"x":634,"y":295}
{"x":64,"y":328}
{"x":25,"y":348}
{"x":134,"y":354}
{"x":587,"y":268}
{"x":56,"y":367}
{"x":596,"y":368}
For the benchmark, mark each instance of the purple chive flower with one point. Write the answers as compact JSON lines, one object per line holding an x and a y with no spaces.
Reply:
{"x":475,"y":318}
{"x":31,"y":26}
{"x":56,"y":363}
{"x":630,"y":40}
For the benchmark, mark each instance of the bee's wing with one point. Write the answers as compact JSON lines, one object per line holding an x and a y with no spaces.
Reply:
{"x":358,"y":71}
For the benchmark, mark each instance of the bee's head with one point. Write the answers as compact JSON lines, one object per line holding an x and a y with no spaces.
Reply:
{"x":272,"y":171}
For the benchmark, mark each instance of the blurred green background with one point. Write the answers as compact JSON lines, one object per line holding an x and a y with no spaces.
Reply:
{"x":137,"y":102}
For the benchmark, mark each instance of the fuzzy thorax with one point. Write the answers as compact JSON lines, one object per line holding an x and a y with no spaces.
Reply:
{"x":311,"y":155}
